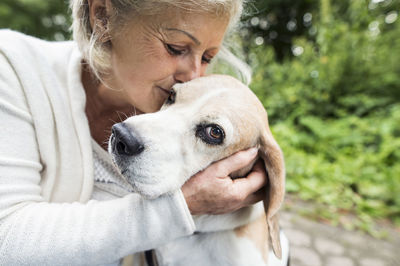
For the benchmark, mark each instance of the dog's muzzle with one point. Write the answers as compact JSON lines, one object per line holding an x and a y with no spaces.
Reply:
{"x":124,"y":141}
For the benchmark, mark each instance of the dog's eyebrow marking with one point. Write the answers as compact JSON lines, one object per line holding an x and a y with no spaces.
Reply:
{"x":187,"y":34}
{"x":204,"y":98}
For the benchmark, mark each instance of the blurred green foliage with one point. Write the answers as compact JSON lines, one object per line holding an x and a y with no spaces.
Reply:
{"x":328,"y":72}
{"x":335,"y":109}
{"x":278,"y":22}
{"x":49,"y":20}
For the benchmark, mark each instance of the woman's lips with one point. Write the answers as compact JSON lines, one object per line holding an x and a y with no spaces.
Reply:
{"x":164,"y":90}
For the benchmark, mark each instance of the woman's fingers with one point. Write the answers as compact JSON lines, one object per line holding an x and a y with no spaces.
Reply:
{"x":234,"y":162}
{"x":254,"y":181}
{"x":255,"y":197}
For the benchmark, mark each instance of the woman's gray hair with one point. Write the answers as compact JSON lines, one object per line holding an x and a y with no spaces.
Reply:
{"x":96,"y":52}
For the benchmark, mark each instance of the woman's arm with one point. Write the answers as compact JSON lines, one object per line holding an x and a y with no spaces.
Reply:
{"x":92,"y":233}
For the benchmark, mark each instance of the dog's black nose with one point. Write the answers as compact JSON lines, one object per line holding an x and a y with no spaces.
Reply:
{"x":126,"y":141}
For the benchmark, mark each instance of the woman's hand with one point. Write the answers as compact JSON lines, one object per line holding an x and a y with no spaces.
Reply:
{"x":212,"y":191}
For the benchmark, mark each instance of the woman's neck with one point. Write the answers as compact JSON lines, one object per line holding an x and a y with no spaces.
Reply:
{"x":104,"y":107}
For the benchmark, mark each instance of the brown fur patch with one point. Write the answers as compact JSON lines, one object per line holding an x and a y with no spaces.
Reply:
{"x":257,"y":232}
{"x":135,"y":259}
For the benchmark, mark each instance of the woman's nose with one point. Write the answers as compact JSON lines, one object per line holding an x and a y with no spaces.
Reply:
{"x":188,"y":70}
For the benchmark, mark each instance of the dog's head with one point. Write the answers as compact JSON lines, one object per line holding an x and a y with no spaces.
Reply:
{"x":202,"y":121}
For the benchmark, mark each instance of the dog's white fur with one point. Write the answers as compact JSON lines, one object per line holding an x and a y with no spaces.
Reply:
{"x":173,"y":152}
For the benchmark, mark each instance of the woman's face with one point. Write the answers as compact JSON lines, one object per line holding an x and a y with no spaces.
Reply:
{"x":153,"y":53}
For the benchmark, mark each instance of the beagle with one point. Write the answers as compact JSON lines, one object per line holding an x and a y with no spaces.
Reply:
{"x":203,"y":121}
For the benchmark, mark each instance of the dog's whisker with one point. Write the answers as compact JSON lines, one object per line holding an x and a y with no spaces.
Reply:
{"x":112,"y":120}
{"x":119,"y":116}
{"x":122,"y":113}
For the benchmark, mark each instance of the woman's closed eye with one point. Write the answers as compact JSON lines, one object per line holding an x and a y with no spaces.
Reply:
{"x":178,"y":50}
{"x":175,"y":50}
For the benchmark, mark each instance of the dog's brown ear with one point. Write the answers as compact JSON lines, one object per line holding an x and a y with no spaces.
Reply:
{"x":272,"y":155}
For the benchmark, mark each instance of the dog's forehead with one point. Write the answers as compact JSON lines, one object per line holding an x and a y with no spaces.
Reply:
{"x":215,"y":88}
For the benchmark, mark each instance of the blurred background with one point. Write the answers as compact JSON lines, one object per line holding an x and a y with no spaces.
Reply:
{"x":328,"y":72}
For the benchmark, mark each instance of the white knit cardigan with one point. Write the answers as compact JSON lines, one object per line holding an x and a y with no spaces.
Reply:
{"x":46,"y":169}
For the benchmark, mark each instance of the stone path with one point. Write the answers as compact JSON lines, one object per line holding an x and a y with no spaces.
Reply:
{"x":316,"y":244}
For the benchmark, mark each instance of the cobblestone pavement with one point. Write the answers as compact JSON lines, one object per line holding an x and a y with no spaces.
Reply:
{"x":316,"y":244}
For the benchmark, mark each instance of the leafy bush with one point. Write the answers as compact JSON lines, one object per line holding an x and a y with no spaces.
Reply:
{"x":45,"y":19}
{"x":335,"y":110}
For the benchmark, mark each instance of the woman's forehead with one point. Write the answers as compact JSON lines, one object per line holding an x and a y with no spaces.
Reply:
{"x":172,"y":18}
{"x":194,"y":26}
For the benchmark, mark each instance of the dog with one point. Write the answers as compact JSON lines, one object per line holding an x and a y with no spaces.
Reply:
{"x":203,"y":121}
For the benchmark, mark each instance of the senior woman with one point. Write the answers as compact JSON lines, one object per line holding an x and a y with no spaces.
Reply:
{"x":58,"y":102}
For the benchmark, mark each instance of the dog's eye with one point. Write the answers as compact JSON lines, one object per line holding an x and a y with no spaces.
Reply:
{"x":171,"y":97}
{"x":211,"y":134}
{"x":214,"y":132}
